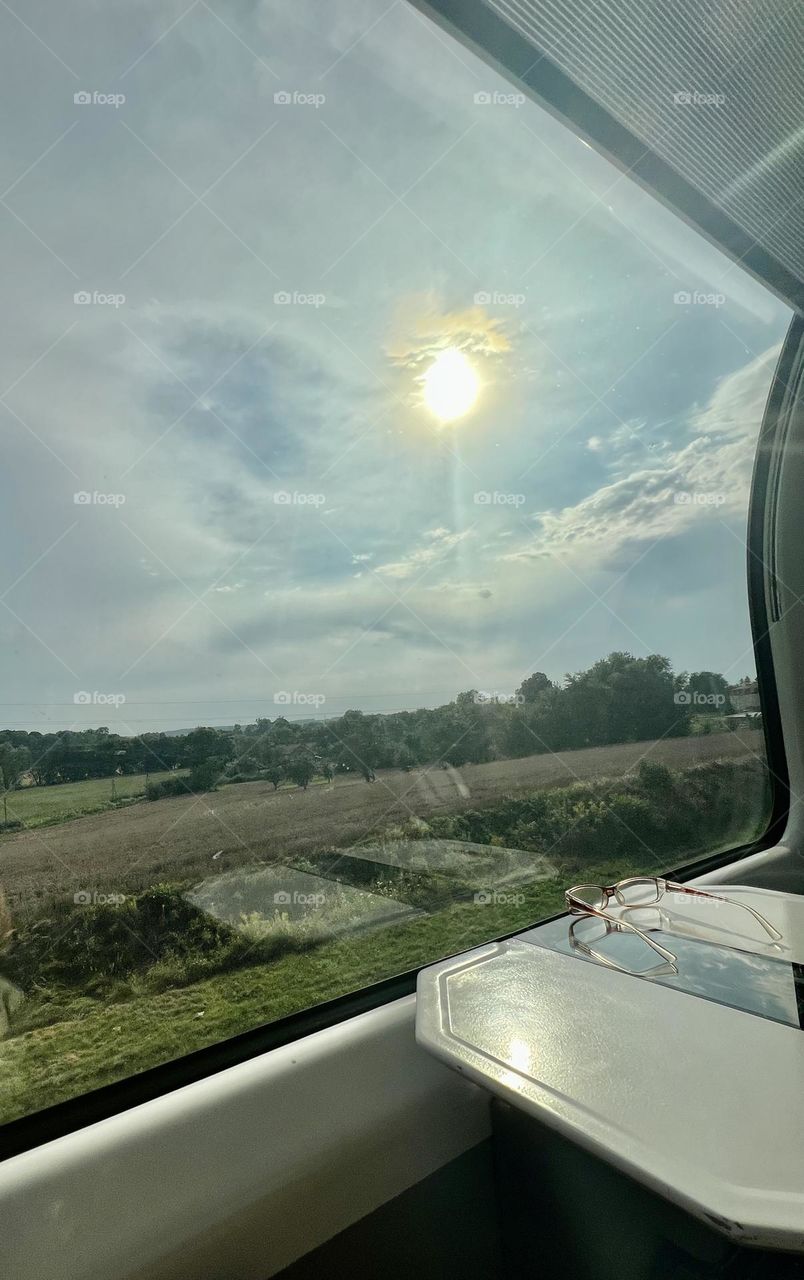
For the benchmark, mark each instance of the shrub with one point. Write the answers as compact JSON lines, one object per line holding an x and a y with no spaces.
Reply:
{"x":655,"y":779}
{"x":449,"y":828}
{"x":168,"y":787}
{"x":206,"y":775}
{"x":639,"y":824}
{"x":74,"y":942}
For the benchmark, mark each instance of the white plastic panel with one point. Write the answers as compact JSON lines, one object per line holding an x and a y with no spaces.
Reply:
{"x":701,"y":1102}
{"x":240,"y":1174}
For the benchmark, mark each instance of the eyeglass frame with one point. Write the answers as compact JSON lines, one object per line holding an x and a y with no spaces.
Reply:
{"x":577,"y":907}
{"x":666,"y":966}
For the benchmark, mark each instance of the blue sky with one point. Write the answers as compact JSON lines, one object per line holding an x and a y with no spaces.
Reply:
{"x":403,"y":217}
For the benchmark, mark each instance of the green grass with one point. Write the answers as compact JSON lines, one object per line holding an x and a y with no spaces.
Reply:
{"x":43,"y":806}
{"x":83,"y":1043}
{"x":90,"y":1043}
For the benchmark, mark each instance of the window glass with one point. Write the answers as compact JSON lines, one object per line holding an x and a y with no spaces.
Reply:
{"x":374,"y":506}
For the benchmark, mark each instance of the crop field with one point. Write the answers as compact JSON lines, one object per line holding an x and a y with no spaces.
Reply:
{"x":190,"y":837}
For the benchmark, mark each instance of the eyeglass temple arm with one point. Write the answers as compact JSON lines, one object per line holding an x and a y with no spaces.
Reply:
{"x":579,"y":945}
{"x":619,"y":923}
{"x":719,"y":897}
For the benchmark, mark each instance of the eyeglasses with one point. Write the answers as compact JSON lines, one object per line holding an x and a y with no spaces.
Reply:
{"x":667,"y":963}
{"x":641,"y":891}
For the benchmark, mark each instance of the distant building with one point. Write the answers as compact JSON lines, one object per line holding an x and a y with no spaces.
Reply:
{"x":744,"y":720}
{"x":744,"y":696}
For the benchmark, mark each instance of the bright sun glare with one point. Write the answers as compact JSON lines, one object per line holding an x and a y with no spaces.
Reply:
{"x":450,"y":385}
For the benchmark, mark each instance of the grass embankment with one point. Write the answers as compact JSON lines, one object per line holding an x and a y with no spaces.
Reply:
{"x":89,"y":1042}
{"x":99,"y":1007}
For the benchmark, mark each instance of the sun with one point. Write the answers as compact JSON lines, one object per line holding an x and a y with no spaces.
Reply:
{"x":450,"y":385}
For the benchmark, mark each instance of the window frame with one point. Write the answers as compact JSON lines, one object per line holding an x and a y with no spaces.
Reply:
{"x":479,"y":28}
{"x":563,"y":99}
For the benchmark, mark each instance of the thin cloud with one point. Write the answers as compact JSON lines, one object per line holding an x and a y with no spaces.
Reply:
{"x":422,"y":329}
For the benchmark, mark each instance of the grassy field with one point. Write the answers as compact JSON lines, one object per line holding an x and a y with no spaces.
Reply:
{"x":87,"y":1043}
{"x":111,"y":991}
{"x":46,"y":806}
{"x":178,"y":837}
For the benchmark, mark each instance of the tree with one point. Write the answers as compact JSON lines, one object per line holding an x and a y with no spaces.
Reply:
{"x":206,"y":774}
{"x":280,"y":732}
{"x":709,"y":691}
{"x":533,"y":686}
{"x":275,"y":773}
{"x":622,"y":699}
{"x":301,"y":769}
{"x":201,"y":744}
{"x":356,"y":742}
{"x":405,"y":758}
{"x":14,"y":761}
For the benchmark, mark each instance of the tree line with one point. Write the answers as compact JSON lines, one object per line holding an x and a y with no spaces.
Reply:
{"x":618,"y":699}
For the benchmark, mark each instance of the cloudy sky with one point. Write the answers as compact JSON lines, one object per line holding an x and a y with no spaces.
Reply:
{"x":282,"y":213}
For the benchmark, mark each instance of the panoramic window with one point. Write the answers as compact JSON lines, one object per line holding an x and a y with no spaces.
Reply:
{"x":377,"y":461}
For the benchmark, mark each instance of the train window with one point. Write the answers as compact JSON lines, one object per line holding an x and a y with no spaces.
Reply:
{"x":377,"y":463}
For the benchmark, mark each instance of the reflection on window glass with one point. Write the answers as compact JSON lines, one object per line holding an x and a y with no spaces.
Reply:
{"x":349,"y":402}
